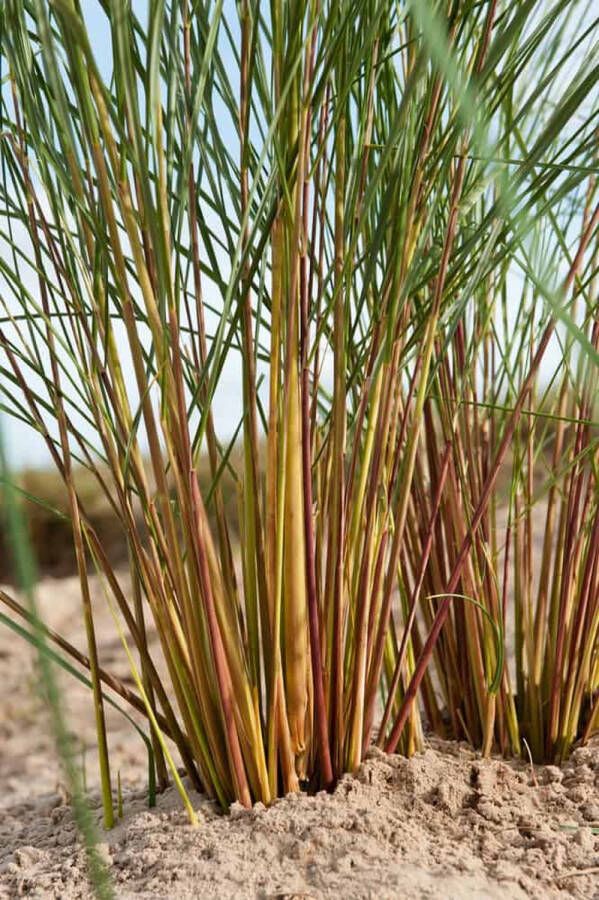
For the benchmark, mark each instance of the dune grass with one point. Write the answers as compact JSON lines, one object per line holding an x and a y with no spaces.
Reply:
{"x":386,"y":215}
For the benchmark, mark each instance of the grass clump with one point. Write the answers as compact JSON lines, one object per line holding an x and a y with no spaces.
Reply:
{"x":379,"y":216}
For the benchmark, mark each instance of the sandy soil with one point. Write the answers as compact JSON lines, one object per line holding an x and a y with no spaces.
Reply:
{"x":444,"y":824}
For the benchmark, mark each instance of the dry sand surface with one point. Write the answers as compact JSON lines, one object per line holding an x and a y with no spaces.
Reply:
{"x":443,"y":824}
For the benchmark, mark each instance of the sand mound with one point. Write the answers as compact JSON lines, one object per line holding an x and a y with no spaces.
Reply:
{"x":443,"y":824}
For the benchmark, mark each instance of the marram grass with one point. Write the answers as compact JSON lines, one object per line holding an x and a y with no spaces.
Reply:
{"x":386,"y":214}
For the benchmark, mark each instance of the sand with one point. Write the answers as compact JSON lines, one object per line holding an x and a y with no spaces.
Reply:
{"x":444,"y":824}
